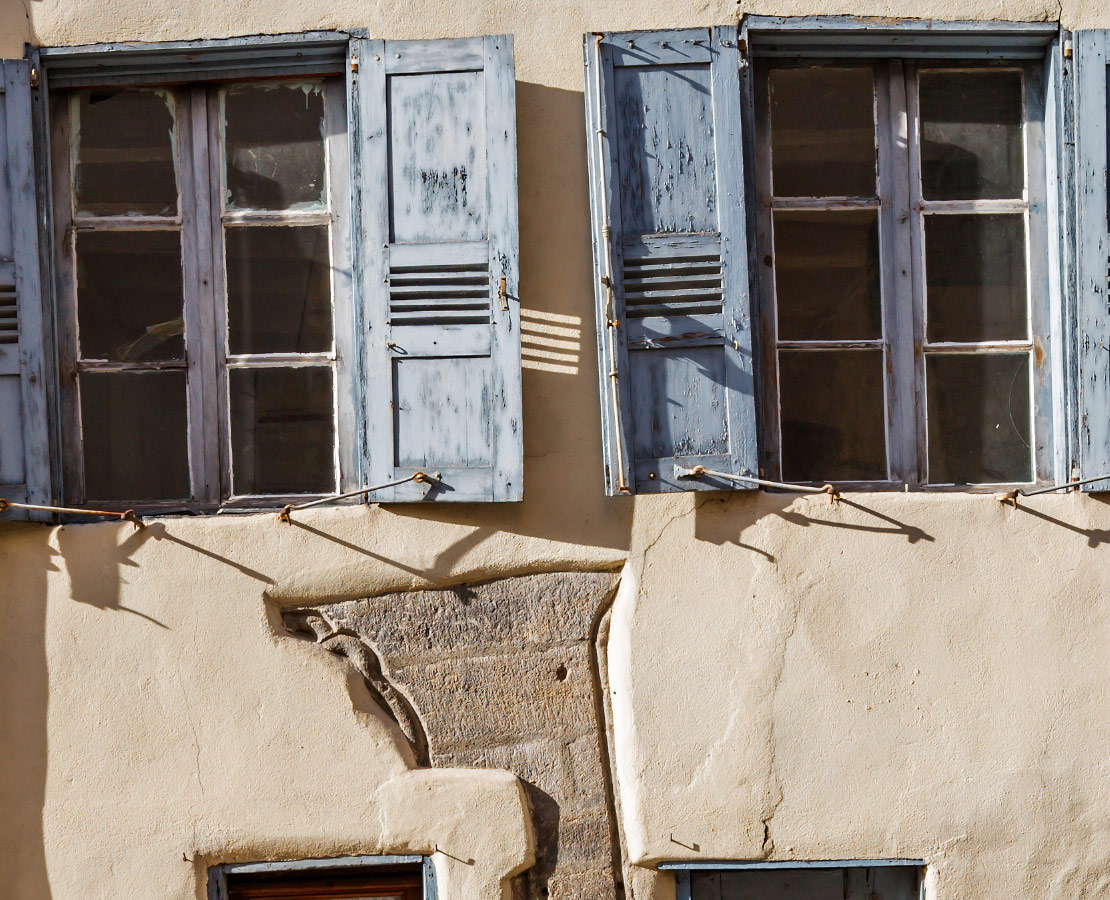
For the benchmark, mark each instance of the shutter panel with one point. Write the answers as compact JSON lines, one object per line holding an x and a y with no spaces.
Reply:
{"x":669,"y":222}
{"x":1093,"y":300}
{"x":434,"y":147}
{"x":24,"y":445}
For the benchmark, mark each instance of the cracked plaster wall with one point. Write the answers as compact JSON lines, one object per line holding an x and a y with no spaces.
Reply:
{"x":923,"y":676}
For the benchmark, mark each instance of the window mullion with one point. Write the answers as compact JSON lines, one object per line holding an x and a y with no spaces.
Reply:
{"x":197,"y":260}
{"x":915,"y":222}
{"x":210,"y":102}
{"x":348,"y":386}
{"x":898,"y":286}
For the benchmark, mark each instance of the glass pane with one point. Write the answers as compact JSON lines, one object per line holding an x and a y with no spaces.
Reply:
{"x":282,"y":431}
{"x":975,"y":277}
{"x":274,"y":144}
{"x":134,"y":436}
{"x":129,"y":296}
{"x":278,"y":289}
{"x":125,"y":153}
{"x":971,"y":135}
{"x":823,"y":132}
{"x":833,"y":424}
{"x":827,"y":275}
{"x":979,"y":431}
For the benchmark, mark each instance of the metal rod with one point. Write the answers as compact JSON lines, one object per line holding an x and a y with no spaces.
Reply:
{"x":419,"y":477}
{"x":1011,"y":496}
{"x":701,"y":471}
{"x":126,"y":516}
{"x":611,"y":323}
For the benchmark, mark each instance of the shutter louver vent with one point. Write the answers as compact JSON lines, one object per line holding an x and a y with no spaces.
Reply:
{"x":9,"y":320}
{"x":439,"y":295}
{"x":672,"y":285}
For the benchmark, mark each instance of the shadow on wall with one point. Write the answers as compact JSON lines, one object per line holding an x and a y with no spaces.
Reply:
{"x":23,"y":665}
{"x":23,"y":710}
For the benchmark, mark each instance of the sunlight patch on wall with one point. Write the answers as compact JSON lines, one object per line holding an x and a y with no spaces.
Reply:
{"x":550,"y":342}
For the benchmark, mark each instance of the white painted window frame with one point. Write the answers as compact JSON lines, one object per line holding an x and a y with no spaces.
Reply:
{"x":218,"y":874}
{"x":200,"y":220}
{"x":898,"y":51}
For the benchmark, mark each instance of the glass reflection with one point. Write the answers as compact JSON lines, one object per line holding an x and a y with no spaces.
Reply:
{"x":274,"y":146}
{"x":823,"y":132}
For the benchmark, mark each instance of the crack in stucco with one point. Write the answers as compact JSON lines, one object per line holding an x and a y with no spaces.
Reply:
{"x":773,"y":777}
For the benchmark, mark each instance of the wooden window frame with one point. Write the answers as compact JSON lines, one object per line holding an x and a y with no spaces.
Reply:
{"x":805,"y":42}
{"x":200,"y":220}
{"x":218,"y":875}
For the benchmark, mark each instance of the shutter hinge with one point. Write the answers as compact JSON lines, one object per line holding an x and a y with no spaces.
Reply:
{"x":503,"y":293}
{"x":742,"y":46}
{"x":354,"y":62}
{"x":34,"y":77}
{"x":1067,"y":48}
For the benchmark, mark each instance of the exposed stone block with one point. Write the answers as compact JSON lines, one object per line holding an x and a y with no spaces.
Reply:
{"x":500,"y":675}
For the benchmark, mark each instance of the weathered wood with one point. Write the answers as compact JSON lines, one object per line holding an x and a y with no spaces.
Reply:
{"x":858,"y":37}
{"x":669,"y":218}
{"x":1093,"y":298}
{"x":434,"y":146}
{"x":260,"y":56}
{"x":1060,"y":199}
{"x":24,"y":422}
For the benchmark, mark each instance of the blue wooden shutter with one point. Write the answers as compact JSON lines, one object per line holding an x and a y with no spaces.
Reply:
{"x":667,"y":196}
{"x":434,"y":157}
{"x":1092,"y":226}
{"x":24,"y":450}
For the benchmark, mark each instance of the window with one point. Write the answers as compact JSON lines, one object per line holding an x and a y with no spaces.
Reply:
{"x":904,"y":270}
{"x":902,"y":318}
{"x":342,"y":878}
{"x":824,"y":880}
{"x":196,"y":249}
{"x":275,"y":279}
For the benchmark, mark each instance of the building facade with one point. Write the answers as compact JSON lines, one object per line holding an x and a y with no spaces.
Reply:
{"x":571,"y":280}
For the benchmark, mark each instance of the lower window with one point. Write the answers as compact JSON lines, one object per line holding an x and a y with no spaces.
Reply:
{"x":794,"y":881}
{"x":352,"y":878}
{"x":903,"y":277}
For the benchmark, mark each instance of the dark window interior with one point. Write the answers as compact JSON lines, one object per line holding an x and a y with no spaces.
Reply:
{"x":380,"y":883}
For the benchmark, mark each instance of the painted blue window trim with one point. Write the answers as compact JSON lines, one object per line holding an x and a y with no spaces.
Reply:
{"x":256,"y":56}
{"x":726,"y":865}
{"x":857,"y":37}
{"x":218,"y":874}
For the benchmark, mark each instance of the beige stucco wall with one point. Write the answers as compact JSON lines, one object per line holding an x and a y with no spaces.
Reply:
{"x":900,"y":675}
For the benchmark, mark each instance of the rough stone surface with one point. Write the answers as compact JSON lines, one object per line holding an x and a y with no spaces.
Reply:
{"x":500,"y":676}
